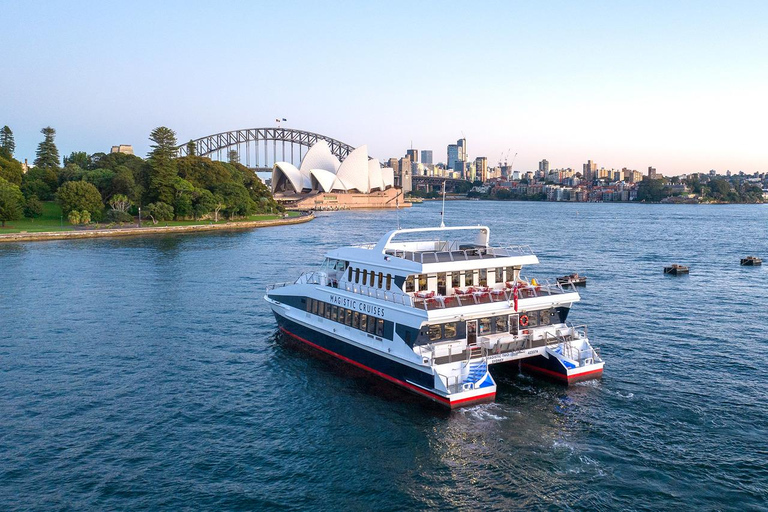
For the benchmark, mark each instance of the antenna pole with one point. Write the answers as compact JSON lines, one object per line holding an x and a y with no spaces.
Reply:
{"x":442,"y":212}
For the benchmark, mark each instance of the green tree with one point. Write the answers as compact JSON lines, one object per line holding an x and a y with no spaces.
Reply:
{"x":70,"y":172}
{"x":191,"y":149}
{"x":203,"y":203}
{"x":159,"y":211}
{"x":162,"y":164}
{"x":80,"y":195}
{"x":102,"y":180}
{"x":79,"y":158}
{"x":238,"y":201}
{"x":650,"y":190}
{"x":33,"y":208}
{"x":74,"y":217}
{"x":36,"y":188}
{"x":11,"y":202}
{"x":234,"y":157}
{"x":6,"y":140}
{"x":47,"y":155}
{"x":10,"y":168}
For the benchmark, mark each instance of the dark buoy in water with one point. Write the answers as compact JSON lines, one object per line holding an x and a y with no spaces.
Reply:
{"x":676,"y":270}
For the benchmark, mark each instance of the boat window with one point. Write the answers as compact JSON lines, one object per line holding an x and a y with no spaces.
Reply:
{"x":484,"y":325}
{"x":501,"y":324}
{"x":499,"y":275}
{"x":357,"y":275}
{"x":320,"y":308}
{"x":327,"y":311}
{"x":349,"y":275}
{"x":409,"y":284}
{"x":356,"y":320}
{"x":450,"y":330}
{"x":334,"y":313}
{"x":435,"y":332}
{"x":510,"y":273}
{"x":342,"y":312}
{"x":483,"y":277}
{"x":389,"y":281}
{"x":381,"y":279}
{"x":441,"y":283}
{"x":348,"y":319}
{"x":533,"y":318}
{"x":469,"y":278}
{"x":422,"y":281}
{"x":315,"y":306}
{"x":408,"y":338}
{"x":371,"y":324}
{"x":379,"y":327}
{"x":365,"y":277}
{"x":309,"y":305}
{"x":363,"y":322}
{"x":545,"y":317}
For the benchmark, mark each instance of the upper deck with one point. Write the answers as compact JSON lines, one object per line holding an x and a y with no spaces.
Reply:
{"x":437,"y":247}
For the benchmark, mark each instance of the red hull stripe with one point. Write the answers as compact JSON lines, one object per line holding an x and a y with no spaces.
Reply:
{"x":560,"y":375}
{"x":399,"y":382}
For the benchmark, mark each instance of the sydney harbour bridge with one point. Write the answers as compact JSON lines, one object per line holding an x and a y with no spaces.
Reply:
{"x":260,"y":148}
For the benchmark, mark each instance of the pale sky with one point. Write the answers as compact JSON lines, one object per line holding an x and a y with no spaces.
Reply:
{"x":682,"y":86}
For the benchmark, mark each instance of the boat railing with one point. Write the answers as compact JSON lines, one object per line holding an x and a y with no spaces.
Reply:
{"x":466,"y":254}
{"x":543,"y":288}
{"x":310,"y":277}
{"x":378,"y":293}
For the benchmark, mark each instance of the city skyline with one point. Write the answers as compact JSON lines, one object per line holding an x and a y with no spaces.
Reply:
{"x":676,"y":87}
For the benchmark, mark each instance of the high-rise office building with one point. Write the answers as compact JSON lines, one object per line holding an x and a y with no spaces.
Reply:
{"x":413,"y":154}
{"x":426,"y":157}
{"x":481,"y":168}
{"x":461,"y":144}
{"x":652,"y":175}
{"x":453,"y":155}
{"x":590,"y":170}
{"x":544,"y":166}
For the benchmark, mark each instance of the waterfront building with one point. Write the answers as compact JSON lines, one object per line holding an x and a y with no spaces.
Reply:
{"x":544,"y":166}
{"x":125,"y":149}
{"x":413,"y":154}
{"x":481,"y":167}
{"x":589,"y":170}
{"x":426,"y":156}
{"x":461,"y":144}
{"x":324,"y":182}
{"x":453,"y":155}
{"x":652,"y":175}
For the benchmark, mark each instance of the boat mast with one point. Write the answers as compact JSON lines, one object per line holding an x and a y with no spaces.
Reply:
{"x":442,"y":212}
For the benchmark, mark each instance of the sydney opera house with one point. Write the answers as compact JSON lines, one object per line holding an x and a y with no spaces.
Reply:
{"x":322,"y":182}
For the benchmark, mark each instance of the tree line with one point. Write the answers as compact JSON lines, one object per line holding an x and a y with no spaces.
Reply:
{"x":112,"y":186}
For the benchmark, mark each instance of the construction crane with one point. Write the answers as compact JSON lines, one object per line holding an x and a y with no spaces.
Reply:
{"x":513,"y":159}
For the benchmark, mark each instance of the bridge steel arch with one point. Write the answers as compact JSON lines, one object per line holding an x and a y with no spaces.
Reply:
{"x":256,"y":137}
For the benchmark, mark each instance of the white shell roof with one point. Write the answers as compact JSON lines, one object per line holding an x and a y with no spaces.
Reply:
{"x":354,"y":170}
{"x":319,"y":156}
{"x":321,"y":170}
{"x":325,"y":179}
{"x":374,"y":175}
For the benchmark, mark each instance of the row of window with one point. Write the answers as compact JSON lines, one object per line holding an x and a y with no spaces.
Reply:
{"x":370,"y":278}
{"x":354,"y":319}
{"x":492,"y":325}
{"x":479,"y":277}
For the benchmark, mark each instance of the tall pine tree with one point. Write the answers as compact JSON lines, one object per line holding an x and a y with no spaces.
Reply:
{"x":47,"y":156}
{"x":162,"y":164}
{"x":6,"y":140}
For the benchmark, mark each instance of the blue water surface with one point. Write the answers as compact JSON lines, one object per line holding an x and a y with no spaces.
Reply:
{"x":147,"y":374}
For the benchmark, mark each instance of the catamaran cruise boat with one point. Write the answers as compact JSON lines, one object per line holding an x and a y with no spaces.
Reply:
{"x":432,"y":309}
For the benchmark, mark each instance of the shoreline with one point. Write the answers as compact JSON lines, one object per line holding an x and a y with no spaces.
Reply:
{"x":151,"y":230}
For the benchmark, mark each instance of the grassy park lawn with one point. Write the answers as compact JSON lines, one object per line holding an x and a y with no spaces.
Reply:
{"x":51,"y":220}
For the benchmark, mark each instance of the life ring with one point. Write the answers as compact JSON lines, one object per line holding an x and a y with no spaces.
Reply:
{"x":523,"y":320}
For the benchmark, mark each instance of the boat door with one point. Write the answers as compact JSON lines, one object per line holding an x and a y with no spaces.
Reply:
{"x":471,"y":333}
{"x":514,"y":324}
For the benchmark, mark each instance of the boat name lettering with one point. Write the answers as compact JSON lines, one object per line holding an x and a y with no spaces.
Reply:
{"x":346,"y":302}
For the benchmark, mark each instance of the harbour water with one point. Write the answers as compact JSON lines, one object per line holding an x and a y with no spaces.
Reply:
{"x":147,"y":374}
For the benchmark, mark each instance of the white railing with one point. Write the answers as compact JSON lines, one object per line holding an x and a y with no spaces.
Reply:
{"x":462,"y":254}
{"x":377,"y":293}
